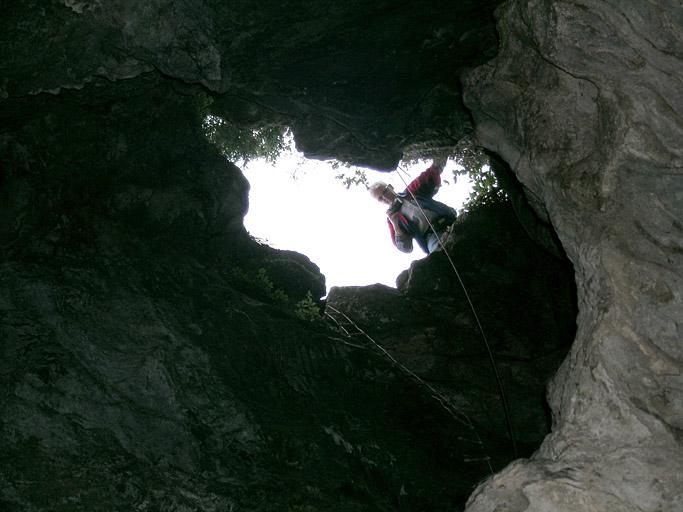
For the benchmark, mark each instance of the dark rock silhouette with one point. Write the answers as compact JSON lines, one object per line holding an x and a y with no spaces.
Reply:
{"x":151,"y":354}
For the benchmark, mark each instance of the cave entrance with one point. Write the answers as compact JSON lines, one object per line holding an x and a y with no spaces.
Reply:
{"x":524,"y":295}
{"x":323,"y":210}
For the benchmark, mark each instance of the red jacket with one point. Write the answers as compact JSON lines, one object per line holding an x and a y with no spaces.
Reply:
{"x":423,"y":189}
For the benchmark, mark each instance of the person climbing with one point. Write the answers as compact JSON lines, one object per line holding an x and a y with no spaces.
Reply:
{"x":413,"y":214}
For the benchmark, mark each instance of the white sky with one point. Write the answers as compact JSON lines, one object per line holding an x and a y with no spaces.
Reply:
{"x":297,"y":204}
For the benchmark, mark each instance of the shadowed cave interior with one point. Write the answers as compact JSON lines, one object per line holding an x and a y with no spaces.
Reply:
{"x":154,"y":357}
{"x":151,"y":277}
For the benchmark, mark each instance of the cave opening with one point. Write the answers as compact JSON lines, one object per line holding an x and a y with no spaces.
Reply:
{"x":511,"y":261}
{"x":508,"y":255}
{"x":322,"y":208}
{"x":342,"y":229}
{"x":307,"y":388}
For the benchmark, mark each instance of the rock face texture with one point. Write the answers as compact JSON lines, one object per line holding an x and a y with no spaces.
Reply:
{"x":583,"y":101}
{"x":154,"y":357}
{"x":524,"y":300}
{"x":151,"y":359}
{"x":357,"y":80}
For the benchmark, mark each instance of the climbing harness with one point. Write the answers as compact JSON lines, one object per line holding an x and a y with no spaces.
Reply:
{"x":455,"y":413}
{"x":494,"y":367}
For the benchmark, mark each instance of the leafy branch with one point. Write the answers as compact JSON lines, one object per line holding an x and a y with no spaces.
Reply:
{"x":243,"y":143}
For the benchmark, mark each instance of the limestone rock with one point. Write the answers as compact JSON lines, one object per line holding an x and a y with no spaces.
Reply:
{"x":584,"y":103}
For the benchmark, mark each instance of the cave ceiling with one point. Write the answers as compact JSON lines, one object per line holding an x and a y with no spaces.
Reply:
{"x":358,"y":81}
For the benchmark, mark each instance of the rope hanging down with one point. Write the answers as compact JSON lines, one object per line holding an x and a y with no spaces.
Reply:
{"x":455,"y":413}
{"x":494,"y":367}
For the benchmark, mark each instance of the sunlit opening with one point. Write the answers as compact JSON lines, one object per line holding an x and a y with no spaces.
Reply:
{"x":298,"y":204}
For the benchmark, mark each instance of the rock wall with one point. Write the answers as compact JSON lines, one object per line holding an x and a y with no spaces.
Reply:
{"x":151,"y":354}
{"x":153,"y":359}
{"x":522,"y":297}
{"x":358,"y":80}
{"x":583,"y":101}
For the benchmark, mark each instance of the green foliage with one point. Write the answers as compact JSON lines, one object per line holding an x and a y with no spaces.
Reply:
{"x":485,"y":190}
{"x":263,"y":282}
{"x":258,"y":282}
{"x":357,"y":178}
{"x":307,"y":309}
{"x":242,"y":143}
{"x":475,"y":164}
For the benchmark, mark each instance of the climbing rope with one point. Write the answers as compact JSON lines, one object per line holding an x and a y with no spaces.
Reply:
{"x":456,"y":414}
{"x":494,"y":367}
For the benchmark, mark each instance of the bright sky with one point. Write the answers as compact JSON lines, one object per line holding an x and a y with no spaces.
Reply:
{"x":297,"y":204}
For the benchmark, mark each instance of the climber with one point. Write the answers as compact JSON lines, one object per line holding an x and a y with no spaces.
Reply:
{"x":407,"y":210}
